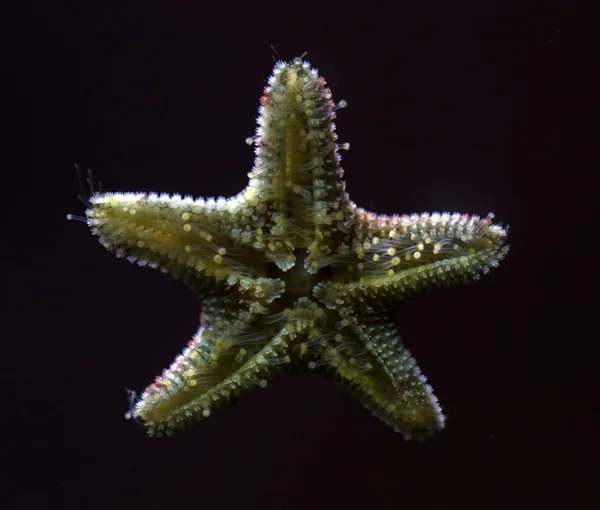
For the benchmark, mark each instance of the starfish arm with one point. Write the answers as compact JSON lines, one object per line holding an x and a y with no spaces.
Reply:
{"x":368,"y":358}
{"x":393,"y":256}
{"x":204,"y":242}
{"x":296,"y":171}
{"x":232,"y":352}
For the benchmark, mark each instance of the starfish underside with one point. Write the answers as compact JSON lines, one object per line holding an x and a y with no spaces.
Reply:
{"x":291,"y":274}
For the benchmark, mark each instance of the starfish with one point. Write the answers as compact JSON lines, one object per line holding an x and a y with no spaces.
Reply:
{"x":291,"y":273}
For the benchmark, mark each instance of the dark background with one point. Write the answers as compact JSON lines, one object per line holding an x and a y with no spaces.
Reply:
{"x":450,"y":109}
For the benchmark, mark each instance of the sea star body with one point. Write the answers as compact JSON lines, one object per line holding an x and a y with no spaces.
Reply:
{"x":291,"y":274}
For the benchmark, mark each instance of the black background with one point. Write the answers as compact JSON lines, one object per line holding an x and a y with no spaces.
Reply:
{"x":451,"y":108}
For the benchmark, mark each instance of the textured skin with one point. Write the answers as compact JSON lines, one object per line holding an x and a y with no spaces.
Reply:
{"x":291,"y":273}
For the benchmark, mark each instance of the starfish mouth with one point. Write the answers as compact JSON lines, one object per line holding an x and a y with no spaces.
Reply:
{"x":298,"y":281}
